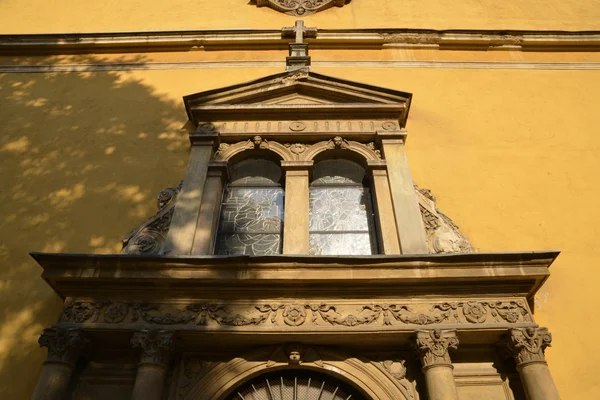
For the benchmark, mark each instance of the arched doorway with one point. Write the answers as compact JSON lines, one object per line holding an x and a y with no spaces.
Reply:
{"x":295,"y":384}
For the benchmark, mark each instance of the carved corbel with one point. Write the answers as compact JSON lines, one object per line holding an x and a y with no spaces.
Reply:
{"x":432,"y":347}
{"x":156,"y":346}
{"x":527,"y":345}
{"x":64,"y":345}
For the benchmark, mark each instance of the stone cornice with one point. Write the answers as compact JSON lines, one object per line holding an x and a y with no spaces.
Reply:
{"x":519,"y":274}
{"x":244,"y":39}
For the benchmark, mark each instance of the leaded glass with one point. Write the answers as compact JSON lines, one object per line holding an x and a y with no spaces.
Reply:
{"x":251,"y":218}
{"x":340,"y":220}
{"x":295,"y":385}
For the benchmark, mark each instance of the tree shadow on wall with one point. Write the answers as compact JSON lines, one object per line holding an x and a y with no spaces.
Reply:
{"x":82,"y":157}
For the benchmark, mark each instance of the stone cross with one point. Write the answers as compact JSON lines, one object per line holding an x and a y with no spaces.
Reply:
{"x":298,"y":57}
{"x":299,"y":31}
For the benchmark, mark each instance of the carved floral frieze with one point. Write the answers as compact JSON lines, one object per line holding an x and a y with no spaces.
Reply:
{"x":298,"y":314}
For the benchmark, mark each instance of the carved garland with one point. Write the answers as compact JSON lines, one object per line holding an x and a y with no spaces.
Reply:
{"x":297,"y":151}
{"x":295,"y":315}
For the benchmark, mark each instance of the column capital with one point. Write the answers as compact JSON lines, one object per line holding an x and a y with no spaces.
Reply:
{"x":527,"y":345}
{"x":432,"y":347}
{"x":64,"y":345}
{"x":204,"y":138}
{"x":156,"y":346}
{"x":392,"y":137}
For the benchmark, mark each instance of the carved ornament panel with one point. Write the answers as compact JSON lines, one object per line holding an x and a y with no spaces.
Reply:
{"x":299,"y":315}
{"x":300,"y":7}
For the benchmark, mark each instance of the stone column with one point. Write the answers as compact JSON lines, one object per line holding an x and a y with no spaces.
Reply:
{"x":64,"y":346}
{"x":156,"y":351}
{"x":432,"y":347}
{"x":180,"y":238}
{"x":527,"y":346}
{"x":206,"y":227}
{"x":384,"y":208}
{"x":409,"y":222}
{"x":296,"y":208}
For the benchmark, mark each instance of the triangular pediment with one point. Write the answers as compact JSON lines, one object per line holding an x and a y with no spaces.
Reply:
{"x":298,"y":94}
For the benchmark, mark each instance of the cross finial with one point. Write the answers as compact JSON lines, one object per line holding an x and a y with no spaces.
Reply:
{"x":298,"y":57}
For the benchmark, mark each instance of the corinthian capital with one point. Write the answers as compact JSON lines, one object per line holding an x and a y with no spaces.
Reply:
{"x":528,"y":344}
{"x":64,"y":345}
{"x":432,"y":346}
{"x":156,"y":346}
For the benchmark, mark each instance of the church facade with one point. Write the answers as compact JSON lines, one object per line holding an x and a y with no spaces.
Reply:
{"x":298,"y":250}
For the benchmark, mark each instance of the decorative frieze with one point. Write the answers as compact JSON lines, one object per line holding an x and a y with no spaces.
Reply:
{"x":304,"y":126}
{"x":298,"y":151}
{"x":432,"y":346}
{"x":155,"y":345}
{"x":64,"y":345}
{"x":527,"y":345}
{"x":292,"y":315}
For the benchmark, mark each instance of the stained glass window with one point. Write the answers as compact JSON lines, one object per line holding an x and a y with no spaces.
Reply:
{"x":251,"y":220}
{"x":341,"y":217}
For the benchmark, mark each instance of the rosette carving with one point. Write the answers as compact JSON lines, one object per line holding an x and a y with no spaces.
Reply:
{"x":150,"y":238}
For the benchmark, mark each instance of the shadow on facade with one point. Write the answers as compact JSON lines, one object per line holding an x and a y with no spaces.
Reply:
{"x":82,"y":157}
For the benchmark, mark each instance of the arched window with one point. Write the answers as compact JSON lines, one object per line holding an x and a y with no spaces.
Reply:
{"x":251,"y":219}
{"x":341,"y":212}
{"x":295,"y":385}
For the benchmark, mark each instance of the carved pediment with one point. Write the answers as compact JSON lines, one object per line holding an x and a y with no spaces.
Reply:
{"x":296,"y":95}
{"x":300,"y":7}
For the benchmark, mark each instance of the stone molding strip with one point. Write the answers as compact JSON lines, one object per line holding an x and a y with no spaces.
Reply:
{"x":245,"y":39}
{"x":281,"y":64}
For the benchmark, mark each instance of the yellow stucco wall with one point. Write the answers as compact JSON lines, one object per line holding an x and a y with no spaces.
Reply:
{"x":37,"y":16}
{"x":512,"y":156}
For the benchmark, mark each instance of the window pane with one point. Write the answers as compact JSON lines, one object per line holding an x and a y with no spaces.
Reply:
{"x":257,"y":244}
{"x":252,"y":210}
{"x":338,"y":171}
{"x":338,"y":209}
{"x":251,"y":221}
{"x":331,"y":244}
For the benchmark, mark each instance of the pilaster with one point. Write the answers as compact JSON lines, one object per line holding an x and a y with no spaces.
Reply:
{"x":180,"y":238}
{"x":409,"y":222}
{"x":388,"y":230}
{"x":296,"y":209}
{"x":206,"y":226}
